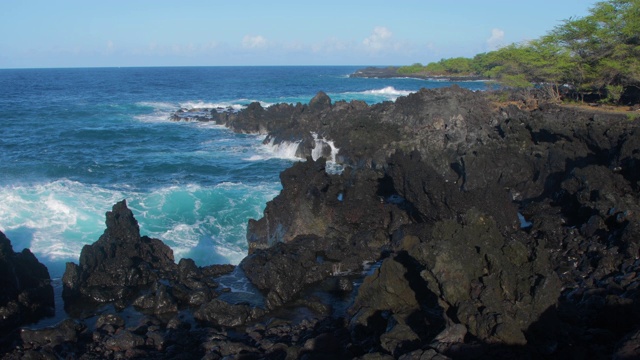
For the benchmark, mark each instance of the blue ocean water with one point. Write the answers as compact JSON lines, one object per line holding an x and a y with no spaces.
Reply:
{"x":75,"y":141}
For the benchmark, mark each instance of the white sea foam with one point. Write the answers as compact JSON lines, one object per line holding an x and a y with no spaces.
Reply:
{"x":316,"y":152}
{"x":55,"y":220}
{"x":203,"y":223}
{"x":265,"y":104}
{"x":158,"y":105}
{"x":237,"y":282}
{"x":158,"y":116}
{"x":207,"y":105}
{"x":284,"y":150}
{"x":332,"y":166}
{"x":210,"y":125}
{"x":161,"y":111}
{"x":235,"y":105}
{"x":388,"y":91}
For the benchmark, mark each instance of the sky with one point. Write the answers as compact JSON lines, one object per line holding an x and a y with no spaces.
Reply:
{"x":85,"y":33}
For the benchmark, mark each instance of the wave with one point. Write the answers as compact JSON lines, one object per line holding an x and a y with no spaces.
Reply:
{"x":205,"y":223}
{"x":158,"y":105}
{"x":388,"y":91}
{"x":234,"y":106}
{"x":55,"y":219}
{"x":318,"y":149}
{"x":372,"y":96}
{"x":161,"y":111}
{"x":289,"y":151}
{"x":284,"y":150}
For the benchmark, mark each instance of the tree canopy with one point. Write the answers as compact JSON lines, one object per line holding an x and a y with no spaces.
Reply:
{"x":597,"y":54}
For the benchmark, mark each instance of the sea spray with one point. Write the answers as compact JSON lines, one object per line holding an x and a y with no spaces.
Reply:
{"x":75,"y":141}
{"x":208,"y":224}
{"x":286,"y":150}
{"x":319,"y":148}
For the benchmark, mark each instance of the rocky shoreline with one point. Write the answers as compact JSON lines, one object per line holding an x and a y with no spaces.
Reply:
{"x":392,"y":72}
{"x":496,"y":231}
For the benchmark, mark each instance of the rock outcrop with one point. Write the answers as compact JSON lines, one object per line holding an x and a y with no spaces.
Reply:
{"x":392,"y":72}
{"x":119,"y":263}
{"x":320,"y":225}
{"x":497,"y":232}
{"x":428,"y":120}
{"x":507,"y":224}
{"x":126,"y":269}
{"x":27,"y":294}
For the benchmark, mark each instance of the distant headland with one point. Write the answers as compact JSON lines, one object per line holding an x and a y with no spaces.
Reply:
{"x":588,"y":60}
{"x":396,"y":72}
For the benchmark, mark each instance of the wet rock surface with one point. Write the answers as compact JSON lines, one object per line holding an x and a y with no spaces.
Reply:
{"x":26,"y":293}
{"x":120,"y":262}
{"x":498,"y":232}
{"x":126,"y":269}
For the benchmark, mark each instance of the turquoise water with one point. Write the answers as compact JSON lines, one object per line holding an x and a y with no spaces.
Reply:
{"x":75,"y":141}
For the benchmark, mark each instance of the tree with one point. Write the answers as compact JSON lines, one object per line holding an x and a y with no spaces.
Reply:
{"x":599,"y":53}
{"x":604,"y":47}
{"x":413,"y":69}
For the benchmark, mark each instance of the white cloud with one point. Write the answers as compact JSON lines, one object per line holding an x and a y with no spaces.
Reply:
{"x":379,"y":39}
{"x":496,"y":39}
{"x":110,"y":47}
{"x":294,"y":46}
{"x":209,"y":46}
{"x":254,"y":42}
{"x":331,"y":45}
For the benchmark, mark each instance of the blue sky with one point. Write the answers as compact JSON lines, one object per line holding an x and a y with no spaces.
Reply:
{"x":66,"y":33}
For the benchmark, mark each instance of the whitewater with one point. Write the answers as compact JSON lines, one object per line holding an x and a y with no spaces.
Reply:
{"x":75,"y":141}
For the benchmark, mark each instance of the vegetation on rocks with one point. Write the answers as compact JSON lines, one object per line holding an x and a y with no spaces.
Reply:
{"x":596,"y":57}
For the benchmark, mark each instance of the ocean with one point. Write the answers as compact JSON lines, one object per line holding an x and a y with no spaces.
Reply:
{"x":75,"y":141}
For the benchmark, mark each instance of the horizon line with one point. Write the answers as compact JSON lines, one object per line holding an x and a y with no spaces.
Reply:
{"x":180,"y":66}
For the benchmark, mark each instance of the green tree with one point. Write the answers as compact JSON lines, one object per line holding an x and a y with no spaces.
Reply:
{"x":459,"y":65}
{"x":604,"y":47}
{"x":413,"y":69}
{"x":597,"y":53}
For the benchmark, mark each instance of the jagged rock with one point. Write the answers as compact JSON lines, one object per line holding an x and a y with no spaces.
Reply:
{"x":282,"y":271}
{"x":387,"y":288}
{"x":387,"y":310}
{"x":447,"y":118}
{"x":128,"y":269}
{"x":629,"y":347}
{"x":320,"y":102}
{"x":119,"y":263}
{"x":429,"y":354}
{"x":435,"y":184}
{"x":496,"y":287}
{"x":434,"y":197}
{"x":109,"y":319}
{"x":27,"y":294}
{"x":222,"y":313}
{"x":123,"y":341}
{"x":65,"y":332}
{"x":319,"y":225}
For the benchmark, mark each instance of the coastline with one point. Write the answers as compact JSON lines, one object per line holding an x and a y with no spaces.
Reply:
{"x":427,"y":241}
{"x":392,"y":72}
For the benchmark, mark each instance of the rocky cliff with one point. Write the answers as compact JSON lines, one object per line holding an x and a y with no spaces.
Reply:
{"x":26,"y":294}
{"x":496,"y":231}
